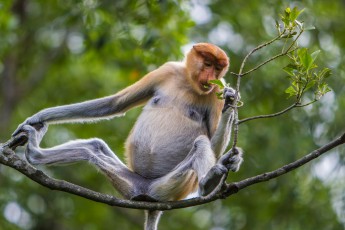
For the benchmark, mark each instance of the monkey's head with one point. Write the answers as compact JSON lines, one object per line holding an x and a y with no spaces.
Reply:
{"x":205,"y":62}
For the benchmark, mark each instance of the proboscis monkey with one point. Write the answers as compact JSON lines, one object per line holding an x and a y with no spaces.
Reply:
{"x":176,"y":146}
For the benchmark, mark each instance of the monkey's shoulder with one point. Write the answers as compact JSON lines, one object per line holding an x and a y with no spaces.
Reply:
{"x":173,"y":72}
{"x":174,"y":66}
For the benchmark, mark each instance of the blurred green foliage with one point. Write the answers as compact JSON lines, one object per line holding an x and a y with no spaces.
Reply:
{"x":58,"y":52}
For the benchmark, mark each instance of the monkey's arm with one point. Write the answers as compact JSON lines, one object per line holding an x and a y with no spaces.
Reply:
{"x":221,"y":137}
{"x":102,"y":108}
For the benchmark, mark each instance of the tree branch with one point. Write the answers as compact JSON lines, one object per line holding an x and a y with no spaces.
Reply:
{"x":9,"y":158}
{"x":238,"y":83}
{"x":295,"y":105}
{"x":267,"y":61}
{"x":286,"y":168}
{"x":269,"y":115}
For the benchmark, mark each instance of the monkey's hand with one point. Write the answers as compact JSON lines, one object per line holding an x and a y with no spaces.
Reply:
{"x":229,"y":96}
{"x":230,"y":161}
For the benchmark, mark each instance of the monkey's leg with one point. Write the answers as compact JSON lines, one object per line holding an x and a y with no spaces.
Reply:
{"x":229,"y":161}
{"x":93,"y":150}
{"x":183,"y":179}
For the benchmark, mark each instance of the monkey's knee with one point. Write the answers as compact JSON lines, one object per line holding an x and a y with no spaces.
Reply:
{"x":98,"y":145}
{"x":201,"y":142}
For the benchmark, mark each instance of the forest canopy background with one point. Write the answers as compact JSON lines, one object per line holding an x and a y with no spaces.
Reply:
{"x":59,"y":52}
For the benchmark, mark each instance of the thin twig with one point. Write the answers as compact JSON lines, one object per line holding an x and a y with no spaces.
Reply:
{"x":267,"y":61}
{"x":295,"y":105}
{"x":269,"y":115}
{"x":239,"y":76}
{"x":295,"y":40}
{"x":309,"y":103}
{"x":256,"y":49}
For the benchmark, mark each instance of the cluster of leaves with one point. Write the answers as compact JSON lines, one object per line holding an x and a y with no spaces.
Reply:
{"x":303,"y":75}
{"x":290,"y":22}
{"x":302,"y":70}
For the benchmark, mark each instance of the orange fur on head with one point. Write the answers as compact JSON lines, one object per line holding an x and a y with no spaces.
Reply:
{"x":215,"y":51}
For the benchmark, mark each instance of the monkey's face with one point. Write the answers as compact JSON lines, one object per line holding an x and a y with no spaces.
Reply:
{"x":206,"y":62}
{"x":211,"y":70}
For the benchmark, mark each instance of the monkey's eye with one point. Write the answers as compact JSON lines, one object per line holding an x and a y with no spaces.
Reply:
{"x":218,"y":68}
{"x":207,"y":63}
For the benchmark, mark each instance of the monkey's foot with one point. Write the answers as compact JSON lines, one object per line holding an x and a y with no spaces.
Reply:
{"x":232,"y":160}
{"x":212,"y":179}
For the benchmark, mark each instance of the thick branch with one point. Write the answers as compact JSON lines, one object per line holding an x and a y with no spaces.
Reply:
{"x":9,"y":158}
{"x":286,"y":168}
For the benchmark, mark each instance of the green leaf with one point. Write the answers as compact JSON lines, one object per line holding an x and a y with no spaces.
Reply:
{"x":295,"y":13}
{"x":309,"y":28}
{"x":315,"y":54}
{"x":291,"y":91}
{"x":310,"y":84}
{"x":290,"y":69}
{"x":326,"y":89}
{"x":287,"y":11}
{"x":219,"y":95}
{"x":323,"y":88}
{"x":325,"y":73}
{"x":218,"y":82}
{"x":305,"y":58}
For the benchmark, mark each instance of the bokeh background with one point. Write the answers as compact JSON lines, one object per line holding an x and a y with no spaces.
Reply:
{"x":63,"y":51}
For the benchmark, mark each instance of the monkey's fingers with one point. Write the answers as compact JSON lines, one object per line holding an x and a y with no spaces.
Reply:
{"x":18,"y":140}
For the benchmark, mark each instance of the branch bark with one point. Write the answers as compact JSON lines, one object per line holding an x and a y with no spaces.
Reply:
{"x":9,"y":158}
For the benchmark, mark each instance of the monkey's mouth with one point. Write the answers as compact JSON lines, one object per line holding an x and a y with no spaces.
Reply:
{"x":206,"y":87}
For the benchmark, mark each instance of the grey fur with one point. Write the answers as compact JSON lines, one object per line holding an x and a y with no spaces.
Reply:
{"x":173,"y":146}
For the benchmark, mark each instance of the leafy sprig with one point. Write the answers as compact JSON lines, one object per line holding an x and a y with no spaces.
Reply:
{"x":302,"y":70}
{"x":303,"y":74}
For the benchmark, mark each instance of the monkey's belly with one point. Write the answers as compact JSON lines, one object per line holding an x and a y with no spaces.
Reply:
{"x":159,"y":141}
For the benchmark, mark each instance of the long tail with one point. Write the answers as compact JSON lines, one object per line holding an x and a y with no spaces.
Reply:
{"x":152,"y":219}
